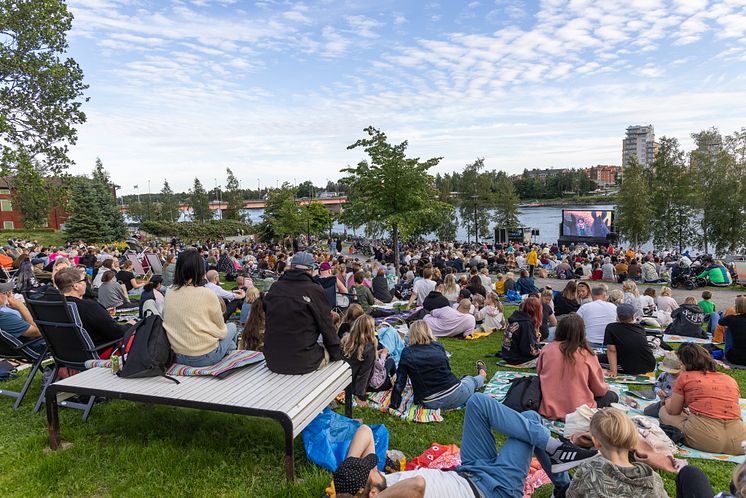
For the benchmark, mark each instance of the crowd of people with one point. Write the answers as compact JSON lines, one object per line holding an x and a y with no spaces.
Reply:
{"x":321,"y":305}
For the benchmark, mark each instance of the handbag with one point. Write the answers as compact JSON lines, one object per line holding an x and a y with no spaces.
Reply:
{"x":524,"y":394}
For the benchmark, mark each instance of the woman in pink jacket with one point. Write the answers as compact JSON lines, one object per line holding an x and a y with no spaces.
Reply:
{"x":570,"y":373}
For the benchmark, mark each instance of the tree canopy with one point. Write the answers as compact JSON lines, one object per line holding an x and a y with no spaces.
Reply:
{"x":94,"y":215}
{"x":633,"y":204}
{"x":199,"y":202}
{"x":41,"y":91}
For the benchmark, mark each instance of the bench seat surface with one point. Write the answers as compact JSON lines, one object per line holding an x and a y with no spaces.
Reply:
{"x":300,"y":397}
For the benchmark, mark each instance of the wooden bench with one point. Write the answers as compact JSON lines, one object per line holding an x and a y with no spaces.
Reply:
{"x":292,"y":400}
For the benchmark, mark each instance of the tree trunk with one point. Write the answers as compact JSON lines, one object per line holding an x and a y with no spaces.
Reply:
{"x":395,"y":238}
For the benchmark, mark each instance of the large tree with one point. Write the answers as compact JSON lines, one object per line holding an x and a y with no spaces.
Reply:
{"x":392,"y":191}
{"x":282,"y":214}
{"x":41,"y":91}
{"x":477,"y":196}
{"x":633,"y":210}
{"x":169,"y":210}
{"x":234,"y":197}
{"x":673,"y":197}
{"x":94,"y":215}
{"x":506,"y":202}
{"x":32,"y":193}
{"x":199,"y":202}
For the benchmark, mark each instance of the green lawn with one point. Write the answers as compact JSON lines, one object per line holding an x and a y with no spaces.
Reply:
{"x":131,"y":449}
{"x":43,"y":237}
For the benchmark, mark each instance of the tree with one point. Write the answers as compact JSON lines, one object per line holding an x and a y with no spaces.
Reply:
{"x":169,"y":210}
{"x":233,"y":197}
{"x":633,"y":210}
{"x":392,"y":192}
{"x":94,"y":215}
{"x":41,"y":92}
{"x":305,"y":190}
{"x":318,"y":219}
{"x":32,"y":194}
{"x":477,"y":197}
{"x":673,"y":197}
{"x":199,"y":202}
{"x":282,"y":215}
{"x":506,"y":205}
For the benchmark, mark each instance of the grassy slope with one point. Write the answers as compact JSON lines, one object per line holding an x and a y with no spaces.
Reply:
{"x":45,"y":238}
{"x":131,"y":449}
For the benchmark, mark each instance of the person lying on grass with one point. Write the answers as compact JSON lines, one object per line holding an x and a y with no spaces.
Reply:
{"x":484,"y":470}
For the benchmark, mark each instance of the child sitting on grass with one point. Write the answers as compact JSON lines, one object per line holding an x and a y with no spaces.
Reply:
{"x":500,"y":284}
{"x":491,"y":315}
{"x":612,"y":474}
{"x":670,"y":369}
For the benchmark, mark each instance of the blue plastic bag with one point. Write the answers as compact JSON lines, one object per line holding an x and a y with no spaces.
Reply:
{"x":327,"y":439}
{"x":513,"y":296}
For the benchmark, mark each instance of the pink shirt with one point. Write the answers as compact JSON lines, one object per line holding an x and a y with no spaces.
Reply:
{"x":566,"y":386}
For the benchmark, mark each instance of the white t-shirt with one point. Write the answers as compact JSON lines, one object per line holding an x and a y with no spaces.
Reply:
{"x":597,"y":315}
{"x":422,"y":288}
{"x":438,"y":483}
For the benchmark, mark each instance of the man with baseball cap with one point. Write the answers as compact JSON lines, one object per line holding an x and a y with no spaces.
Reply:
{"x":297,"y":313}
{"x":15,"y":318}
{"x":627,"y":345}
{"x":484,"y":471}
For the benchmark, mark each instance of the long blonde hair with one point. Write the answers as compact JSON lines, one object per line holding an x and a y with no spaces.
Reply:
{"x":362,"y":333}
{"x":631,"y":287}
{"x":451,"y":286}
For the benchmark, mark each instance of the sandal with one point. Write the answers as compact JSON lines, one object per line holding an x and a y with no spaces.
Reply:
{"x":481,"y":366}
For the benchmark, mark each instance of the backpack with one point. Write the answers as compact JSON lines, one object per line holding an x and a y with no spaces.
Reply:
{"x":524,"y":394}
{"x":146,"y":351}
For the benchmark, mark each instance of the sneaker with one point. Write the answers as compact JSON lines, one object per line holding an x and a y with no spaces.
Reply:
{"x":568,"y":456}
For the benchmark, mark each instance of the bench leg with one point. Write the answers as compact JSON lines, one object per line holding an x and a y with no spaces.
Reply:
{"x":289,"y":452}
{"x":53,"y":419}
{"x":348,"y":401}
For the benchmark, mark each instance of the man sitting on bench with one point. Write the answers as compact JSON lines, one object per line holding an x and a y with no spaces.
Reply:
{"x":483,"y":472}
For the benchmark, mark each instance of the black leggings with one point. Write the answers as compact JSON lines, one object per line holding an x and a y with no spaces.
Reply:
{"x":607,"y":399}
{"x":693,"y":483}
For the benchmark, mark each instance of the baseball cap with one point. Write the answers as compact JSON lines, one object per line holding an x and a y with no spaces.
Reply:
{"x":325,"y":266}
{"x":352,"y":474}
{"x":302,"y":261}
{"x":37,"y":261}
{"x":625,"y":311}
{"x":7,"y":286}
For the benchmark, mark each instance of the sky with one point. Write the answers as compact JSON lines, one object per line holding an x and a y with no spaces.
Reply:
{"x":277,"y":90}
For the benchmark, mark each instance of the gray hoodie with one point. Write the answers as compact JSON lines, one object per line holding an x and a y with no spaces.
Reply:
{"x":602,"y":479}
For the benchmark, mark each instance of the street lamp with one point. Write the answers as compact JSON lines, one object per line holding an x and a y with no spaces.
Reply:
{"x":476,"y":226}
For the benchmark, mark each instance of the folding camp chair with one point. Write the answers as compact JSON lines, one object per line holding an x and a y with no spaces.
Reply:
{"x":11,"y":348}
{"x":68,"y":341}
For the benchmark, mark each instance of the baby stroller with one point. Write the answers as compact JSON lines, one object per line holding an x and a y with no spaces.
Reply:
{"x":687,"y":278}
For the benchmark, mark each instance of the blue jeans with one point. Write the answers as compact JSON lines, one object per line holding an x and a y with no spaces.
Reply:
{"x":714,"y":317}
{"x":225,"y":346}
{"x":458,"y":397}
{"x":502,"y":474}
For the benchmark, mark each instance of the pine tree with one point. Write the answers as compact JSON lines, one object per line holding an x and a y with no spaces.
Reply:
{"x":633,"y":205}
{"x":233,"y":197}
{"x":169,"y":210}
{"x":199,"y":202}
{"x":85,"y":222}
{"x":506,"y":207}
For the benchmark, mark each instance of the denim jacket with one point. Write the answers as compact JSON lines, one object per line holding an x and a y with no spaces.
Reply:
{"x":427,"y":366}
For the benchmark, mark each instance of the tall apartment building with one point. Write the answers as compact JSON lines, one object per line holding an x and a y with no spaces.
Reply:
{"x":640,"y":144}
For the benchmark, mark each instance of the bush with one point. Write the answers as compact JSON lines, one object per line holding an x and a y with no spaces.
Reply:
{"x":196,"y":230}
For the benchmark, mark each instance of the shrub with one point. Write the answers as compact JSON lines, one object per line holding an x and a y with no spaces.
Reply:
{"x":196,"y":230}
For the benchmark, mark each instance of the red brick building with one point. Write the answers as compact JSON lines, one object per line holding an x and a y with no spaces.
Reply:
{"x":10,"y":217}
{"x":604,"y":175}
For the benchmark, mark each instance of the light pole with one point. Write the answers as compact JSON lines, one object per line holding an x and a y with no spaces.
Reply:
{"x":149,"y":200}
{"x":476,"y":226}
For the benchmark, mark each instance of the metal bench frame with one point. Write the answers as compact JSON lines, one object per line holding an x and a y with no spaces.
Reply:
{"x":290,"y":427}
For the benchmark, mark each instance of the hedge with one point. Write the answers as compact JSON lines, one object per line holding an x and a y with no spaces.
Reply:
{"x":196,"y":230}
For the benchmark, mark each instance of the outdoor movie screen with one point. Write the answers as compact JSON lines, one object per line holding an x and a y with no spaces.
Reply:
{"x":595,"y":223}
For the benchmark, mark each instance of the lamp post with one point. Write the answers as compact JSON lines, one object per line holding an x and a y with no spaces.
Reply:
{"x":476,"y":226}
{"x":149,"y":201}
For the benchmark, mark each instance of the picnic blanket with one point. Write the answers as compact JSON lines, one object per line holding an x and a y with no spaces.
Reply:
{"x":408,"y":410}
{"x":528,"y":364}
{"x":232,"y":361}
{"x":478,"y":334}
{"x":648,"y":378}
{"x":681,"y":338}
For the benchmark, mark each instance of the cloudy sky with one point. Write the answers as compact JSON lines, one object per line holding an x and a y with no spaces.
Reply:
{"x":276,"y":90}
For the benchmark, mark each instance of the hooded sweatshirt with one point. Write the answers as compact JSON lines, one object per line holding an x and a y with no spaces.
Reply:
{"x":687,"y":321}
{"x":520,"y":343}
{"x":449,"y":322}
{"x":602,"y":479}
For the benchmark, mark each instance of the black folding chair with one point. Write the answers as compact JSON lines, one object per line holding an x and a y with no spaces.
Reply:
{"x":68,"y":341}
{"x":11,"y":348}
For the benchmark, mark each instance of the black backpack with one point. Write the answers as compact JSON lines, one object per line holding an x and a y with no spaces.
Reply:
{"x":146,"y":351}
{"x":524,"y":394}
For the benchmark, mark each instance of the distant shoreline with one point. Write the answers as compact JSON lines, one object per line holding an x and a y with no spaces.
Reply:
{"x":568,"y":202}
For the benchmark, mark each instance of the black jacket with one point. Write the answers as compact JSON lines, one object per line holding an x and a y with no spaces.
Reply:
{"x":98,"y":323}
{"x":361,"y":371}
{"x":297,"y":312}
{"x":427,"y":366}
{"x":564,"y":306}
{"x":520,"y":343}
{"x":687,"y":321}
{"x":381,"y":289}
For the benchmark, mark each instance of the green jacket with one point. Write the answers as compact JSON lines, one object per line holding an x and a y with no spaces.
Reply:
{"x":602,"y":479}
{"x":717,"y":274}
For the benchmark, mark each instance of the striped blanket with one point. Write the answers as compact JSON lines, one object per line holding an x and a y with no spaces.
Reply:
{"x":408,"y":410}
{"x":232,"y":361}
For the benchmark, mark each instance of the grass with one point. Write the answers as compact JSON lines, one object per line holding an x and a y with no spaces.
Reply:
{"x":133,"y":449}
{"x":43,"y":237}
